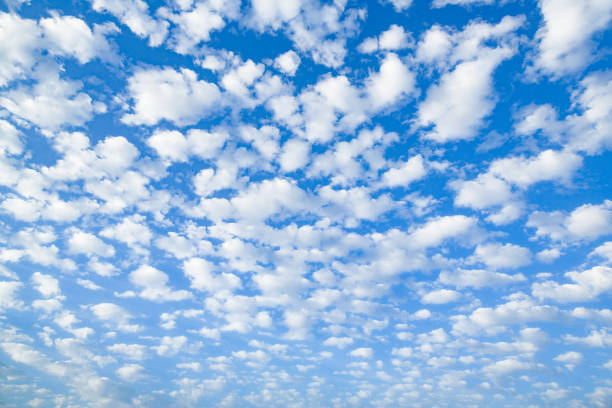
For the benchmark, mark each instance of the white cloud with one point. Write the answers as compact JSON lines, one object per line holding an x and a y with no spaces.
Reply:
{"x":192,"y":99}
{"x":19,"y":39}
{"x":586,"y":222}
{"x":153,"y":284}
{"x":81,"y":242}
{"x":135,"y":14}
{"x":170,"y":346}
{"x":567,"y":48}
{"x":506,"y":366}
{"x":604,"y":251}
{"x":411,"y":170}
{"x":439,"y":229}
{"x":47,"y":285}
{"x":200,"y":273}
{"x":393,"y":81}
{"x":478,"y":278}
{"x":394,"y":38}
{"x":498,"y":256}
{"x":596,"y":338}
{"x":587,"y":286}
{"x":174,"y":146}
{"x":440,"y":296}
{"x":69,"y":35}
{"x":273,"y":13}
{"x":549,"y":165}
{"x":444,"y":3}
{"x":362,"y":352}
{"x":8,"y":295}
{"x":400,"y":5}
{"x":456,"y":106}
{"x":340,"y":342}
{"x":195,"y":26}
{"x":518,"y":309}
{"x":129,"y":351}
{"x":116,"y":315}
{"x":570,"y":358}
{"x":10,"y":143}
{"x":288,"y":62}
{"x":295,"y":155}
{"x":434,"y":46}
{"x":590,"y":130}
{"x":132,"y":231}
{"x":484,"y":191}
{"x":52,"y":102}
{"x":130,"y":372}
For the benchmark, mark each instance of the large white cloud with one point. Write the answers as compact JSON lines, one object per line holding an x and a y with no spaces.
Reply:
{"x":151,"y":89}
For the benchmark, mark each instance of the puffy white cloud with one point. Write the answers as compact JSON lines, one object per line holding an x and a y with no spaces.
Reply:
{"x":400,"y":5}
{"x":478,"y":278}
{"x":440,"y":296}
{"x":135,"y":14}
{"x":456,"y":106}
{"x":518,"y":309}
{"x":586,"y":222}
{"x":174,"y":146}
{"x":566,"y":48}
{"x":47,"y":285}
{"x":52,"y":102}
{"x":506,"y":366}
{"x":435,"y":45}
{"x":129,"y":351}
{"x":69,"y":35}
{"x":340,"y":342}
{"x":263,"y":200}
{"x":499,"y":256}
{"x":439,"y":229}
{"x":8,"y":295}
{"x":196,"y":25}
{"x":19,"y":38}
{"x":588,"y":285}
{"x":10,"y":142}
{"x":444,"y":3}
{"x":395,"y":38}
{"x":570,"y":358}
{"x":273,"y":13}
{"x":549,"y":165}
{"x":434,"y":336}
{"x":192,"y":99}
{"x":604,"y":251}
{"x":25,"y":354}
{"x":484,"y":191}
{"x":132,"y":231}
{"x":411,"y":170}
{"x":295,"y":155}
{"x":393,"y":81}
{"x":238,"y":80}
{"x":130,"y":372}
{"x":82,"y":242}
{"x":288,"y":62}
{"x":362,"y":352}
{"x":200,"y":273}
{"x":170,"y":346}
{"x":153,"y":284}
{"x":596,"y":338}
{"x":591,"y":129}
{"x":115,"y":315}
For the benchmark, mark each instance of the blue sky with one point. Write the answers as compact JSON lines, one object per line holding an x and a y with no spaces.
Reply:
{"x":301,"y":203}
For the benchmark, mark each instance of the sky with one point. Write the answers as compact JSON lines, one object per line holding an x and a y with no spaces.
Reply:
{"x":305,"y":203}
